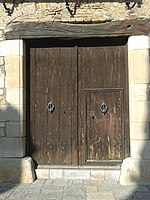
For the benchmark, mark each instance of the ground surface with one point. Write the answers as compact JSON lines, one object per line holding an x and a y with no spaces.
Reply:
{"x":73,"y":190}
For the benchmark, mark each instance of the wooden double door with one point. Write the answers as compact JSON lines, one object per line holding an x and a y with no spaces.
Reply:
{"x":78,"y":102}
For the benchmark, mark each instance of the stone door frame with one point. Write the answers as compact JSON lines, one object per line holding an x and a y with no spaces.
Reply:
{"x":14,"y":144}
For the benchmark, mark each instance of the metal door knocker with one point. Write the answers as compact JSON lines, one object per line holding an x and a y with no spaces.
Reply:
{"x":50,"y":107}
{"x":103,"y":108}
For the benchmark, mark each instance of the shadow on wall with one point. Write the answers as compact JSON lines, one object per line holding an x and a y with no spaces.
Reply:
{"x":14,"y":169}
{"x":10,"y":168}
{"x":141,"y":166}
{"x":136,"y":170}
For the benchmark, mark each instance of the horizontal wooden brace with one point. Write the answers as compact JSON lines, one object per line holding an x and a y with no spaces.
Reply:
{"x":66,"y":30}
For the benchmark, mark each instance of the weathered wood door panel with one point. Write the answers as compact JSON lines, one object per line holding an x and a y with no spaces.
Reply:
{"x":101,"y":68}
{"x":53,"y":79}
{"x":103,"y":125}
{"x":77,"y":77}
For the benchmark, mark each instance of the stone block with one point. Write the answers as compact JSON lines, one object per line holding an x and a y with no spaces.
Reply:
{"x":17,"y":170}
{"x":56,"y":173}
{"x":15,"y":96}
{"x":15,"y":129}
{"x":12,"y":113}
{"x":2,"y":124}
{"x":97,"y":174}
{"x":2,"y":77}
{"x":140,"y":111}
{"x":1,"y":92}
{"x":1,"y":34}
{"x":112,"y":175}
{"x":139,"y":131}
{"x":12,"y":147}
{"x":90,"y":189}
{"x":100,"y":195}
{"x":135,"y":172}
{"x":1,"y":60}
{"x":2,"y":100}
{"x":76,"y":174}
{"x":42,"y":173}
{"x":139,"y":42}
{"x":11,"y":48}
{"x":14,"y":72}
{"x":139,"y":92}
{"x":139,"y":66}
{"x":9,"y":113}
{"x":2,"y":132}
{"x":140,"y":149}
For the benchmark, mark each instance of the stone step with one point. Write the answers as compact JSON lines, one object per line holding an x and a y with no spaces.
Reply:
{"x":108,"y":173}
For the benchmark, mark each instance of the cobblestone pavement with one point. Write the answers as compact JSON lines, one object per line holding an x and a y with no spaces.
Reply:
{"x":73,"y":190}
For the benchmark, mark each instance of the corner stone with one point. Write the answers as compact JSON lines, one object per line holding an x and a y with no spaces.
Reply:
{"x":17,"y":170}
{"x":135,"y":172}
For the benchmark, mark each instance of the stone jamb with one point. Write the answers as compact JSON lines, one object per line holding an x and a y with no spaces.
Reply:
{"x":135,"y":169}
{"x":140,"y":143}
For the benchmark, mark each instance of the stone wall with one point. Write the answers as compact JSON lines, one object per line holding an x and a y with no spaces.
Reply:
{"x":11,"y":99}
{"x":86,"y":12}
{"x":12,"y":88}
{"x":137,"y":167}
{"x":12,"y":79}
{"x":13,"y":167}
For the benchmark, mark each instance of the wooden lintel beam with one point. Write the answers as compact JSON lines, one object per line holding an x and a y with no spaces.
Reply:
{"x":108,"y":29}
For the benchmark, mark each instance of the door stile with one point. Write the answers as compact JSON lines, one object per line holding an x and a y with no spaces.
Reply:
{"x":81,"y":112}
{"x":31,"y":101}
{"x":125,"y":106}
{"x":75,"y":137}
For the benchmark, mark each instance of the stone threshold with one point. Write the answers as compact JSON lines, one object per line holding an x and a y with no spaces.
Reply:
{"x":107,"y":173}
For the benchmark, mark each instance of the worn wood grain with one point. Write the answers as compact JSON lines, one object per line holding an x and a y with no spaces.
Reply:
{"x":108,"y":29}
{"x":78,"y":75}
{"x":53,"y":136}
{"x":102,"y":79}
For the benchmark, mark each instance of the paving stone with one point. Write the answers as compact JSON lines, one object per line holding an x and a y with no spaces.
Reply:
{"x":74,"y":193}
{"x":143,"y":196}
{"x":62,"y":182}
{"x":37,"y":184}
{"x":8,"y":185}
{"x":122,"y":192}
{"x":53,"y":187}
{"x":92,"y":182}
{"x":73,"y":190}
{"x":48,"y":182}
{"x":78,"y":183}
{"x":52,"y":194}
{"x":24,"y":194}
{"x":129,"y":188}
{"x":5,"y":193}
{"x":148,"y":187}
{"x":99,"y":195}
{"x":105,"y":187}
{"x":91,"y":189}
{"x":22,"y":186}
{"x":124,"y":195}
{"x":73,"y":197}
